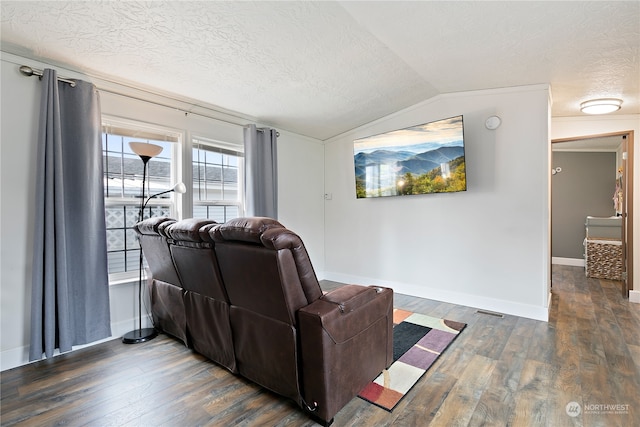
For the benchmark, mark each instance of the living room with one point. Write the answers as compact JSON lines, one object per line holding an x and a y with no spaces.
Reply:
{"x":487,"y":247}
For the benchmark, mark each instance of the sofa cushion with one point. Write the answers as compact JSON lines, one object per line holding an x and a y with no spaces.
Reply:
{"x":151,"y":226}
{"x":244,"y":229}
{"x":189,"y":230}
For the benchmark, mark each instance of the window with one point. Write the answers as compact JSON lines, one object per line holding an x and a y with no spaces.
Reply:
{"x":123,"y":189}
{"x":217,"y":180}
{"x":216,"y":189}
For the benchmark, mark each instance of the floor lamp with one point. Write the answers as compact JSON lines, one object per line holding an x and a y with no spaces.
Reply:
{"x":146,"y":152}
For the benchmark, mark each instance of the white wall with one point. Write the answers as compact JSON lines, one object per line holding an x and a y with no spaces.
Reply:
{"x":582,"y":126}
{"x":17,"y":154}
{"x":300,"y":177}
{"x":487,"y":247}
{"x":301,"y":192}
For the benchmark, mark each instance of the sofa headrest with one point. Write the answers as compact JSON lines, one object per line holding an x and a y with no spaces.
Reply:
{"x":153,"y":226}
{"x":276,"y":238}
{"x":248,"y":229}
{"x":191,"y":230}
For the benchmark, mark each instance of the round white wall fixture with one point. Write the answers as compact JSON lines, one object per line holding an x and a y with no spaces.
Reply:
{"x":493,"y":122}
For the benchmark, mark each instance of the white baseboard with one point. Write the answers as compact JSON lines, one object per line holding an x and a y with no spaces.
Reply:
{"x":19,"y":356}
{"x":15,"y":357}
{"x":634,"y":296}
{"x":491,"y":304}
{"x":575,"y":262}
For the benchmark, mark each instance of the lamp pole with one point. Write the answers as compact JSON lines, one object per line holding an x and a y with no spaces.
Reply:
{"x":146,"y":152}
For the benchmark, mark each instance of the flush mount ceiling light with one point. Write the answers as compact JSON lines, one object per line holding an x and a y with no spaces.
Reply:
{"x":601,"y":106}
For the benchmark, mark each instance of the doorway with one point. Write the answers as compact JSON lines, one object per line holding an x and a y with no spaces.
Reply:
{"x":617,"y":148}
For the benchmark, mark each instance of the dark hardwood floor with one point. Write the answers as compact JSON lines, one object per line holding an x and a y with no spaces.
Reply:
{"x":500,"y":372}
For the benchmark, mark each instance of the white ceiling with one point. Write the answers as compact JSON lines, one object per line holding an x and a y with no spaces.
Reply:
{"x":322,"y":68}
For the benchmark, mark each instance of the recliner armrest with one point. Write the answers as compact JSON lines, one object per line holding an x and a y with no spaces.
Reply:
{"x":349,"y":297}
{"x":342,"y":312}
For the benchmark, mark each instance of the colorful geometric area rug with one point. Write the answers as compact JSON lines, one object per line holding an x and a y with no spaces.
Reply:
{"x":418,"y":341}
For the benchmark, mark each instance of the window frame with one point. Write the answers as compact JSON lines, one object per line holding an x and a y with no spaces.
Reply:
{"x":225,"y":148}
{"x":146,"y":131}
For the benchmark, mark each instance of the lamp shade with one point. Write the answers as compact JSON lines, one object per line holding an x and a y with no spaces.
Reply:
{"x":145,"y":149}
{"x":601,"y":106}
{"x":179,"y":188}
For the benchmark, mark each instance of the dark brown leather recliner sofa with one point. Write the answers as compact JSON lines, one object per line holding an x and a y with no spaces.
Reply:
{"x":165,"y":287}
{"x":252,"y":303}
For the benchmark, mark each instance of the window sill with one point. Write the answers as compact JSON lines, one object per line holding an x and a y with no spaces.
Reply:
{"x":126,"y":280}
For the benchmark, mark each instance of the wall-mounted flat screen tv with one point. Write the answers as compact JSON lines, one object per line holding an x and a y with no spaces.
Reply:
{"x":422,"y":159}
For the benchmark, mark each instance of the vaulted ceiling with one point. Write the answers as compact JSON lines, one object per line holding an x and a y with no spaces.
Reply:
{"x":322,"y":68}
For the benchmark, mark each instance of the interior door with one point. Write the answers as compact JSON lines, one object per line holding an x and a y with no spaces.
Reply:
{"x":626,"y":173}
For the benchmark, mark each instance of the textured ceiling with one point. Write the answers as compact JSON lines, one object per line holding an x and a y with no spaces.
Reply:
{"x":322,"y":68}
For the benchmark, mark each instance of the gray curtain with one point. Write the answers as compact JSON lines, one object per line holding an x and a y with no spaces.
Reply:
{"x":261,"y":172}
{"x":70,"y":285}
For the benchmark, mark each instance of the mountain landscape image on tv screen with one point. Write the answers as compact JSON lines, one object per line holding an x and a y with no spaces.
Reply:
{"x":422,"y":159}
